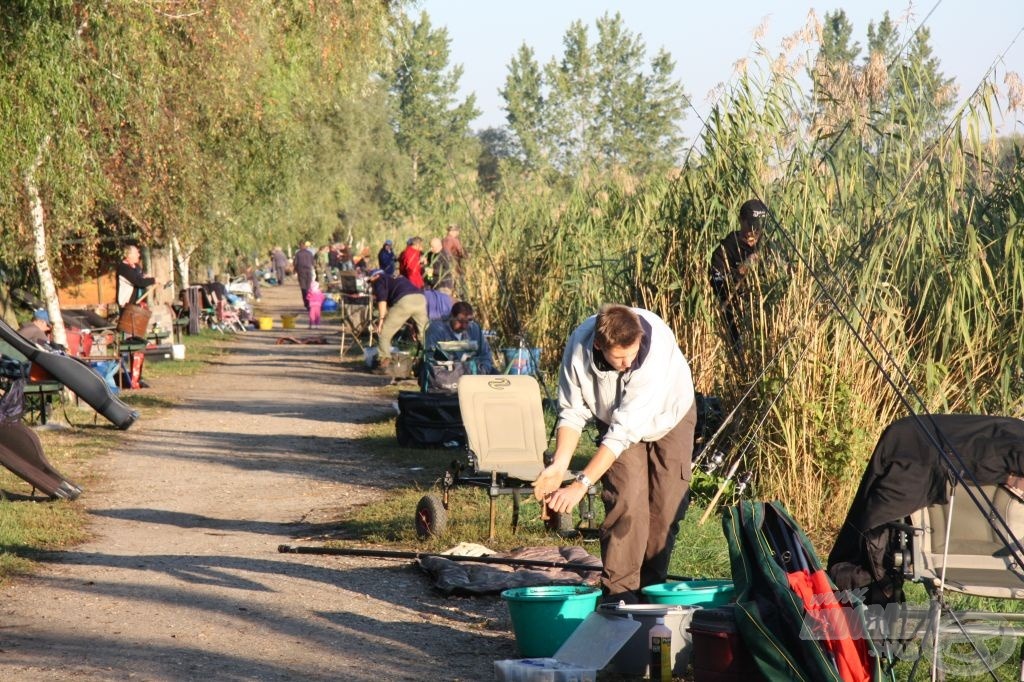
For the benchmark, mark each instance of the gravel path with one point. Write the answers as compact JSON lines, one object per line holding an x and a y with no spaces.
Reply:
{"x":183,"y":580}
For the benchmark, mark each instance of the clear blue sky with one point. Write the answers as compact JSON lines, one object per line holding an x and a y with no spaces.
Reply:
{"x":706,"y":38}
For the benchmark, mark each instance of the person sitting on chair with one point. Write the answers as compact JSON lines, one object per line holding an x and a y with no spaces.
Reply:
{"x":37,"y":330}
{"x":132,"y":280}
{"x":460,"y":326}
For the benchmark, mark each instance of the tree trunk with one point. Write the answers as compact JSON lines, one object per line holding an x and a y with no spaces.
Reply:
{"x":46,"y":284}
{"x":181,"y":259}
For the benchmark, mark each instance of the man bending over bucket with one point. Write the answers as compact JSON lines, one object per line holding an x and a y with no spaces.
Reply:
{"x":623,"y":367}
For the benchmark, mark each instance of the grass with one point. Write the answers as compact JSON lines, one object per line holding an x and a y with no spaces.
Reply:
{"x":700,"y":549}
{"x":32,"y":525}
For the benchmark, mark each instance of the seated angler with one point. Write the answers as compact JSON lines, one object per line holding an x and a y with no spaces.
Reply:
{"x":460,"y":326}
{"x":37,"y":330}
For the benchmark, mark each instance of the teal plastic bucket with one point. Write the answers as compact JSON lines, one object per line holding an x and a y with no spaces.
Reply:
{"x":521,"y":360}
{"x":544,"y":617}
{"x":705,"y":593}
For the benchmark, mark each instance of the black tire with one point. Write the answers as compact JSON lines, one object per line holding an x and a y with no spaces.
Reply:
{"x":431,"y":517}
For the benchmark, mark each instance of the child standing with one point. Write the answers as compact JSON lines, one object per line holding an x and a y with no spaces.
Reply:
{"x":315,"y":297}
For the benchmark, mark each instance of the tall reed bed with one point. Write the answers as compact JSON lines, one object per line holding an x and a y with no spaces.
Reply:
{"x":891,"y":278}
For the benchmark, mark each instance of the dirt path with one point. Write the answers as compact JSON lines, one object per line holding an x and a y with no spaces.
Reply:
{"x":183,"y":580}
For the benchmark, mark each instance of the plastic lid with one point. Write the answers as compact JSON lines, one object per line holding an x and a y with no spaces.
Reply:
{"x":596,"y":641}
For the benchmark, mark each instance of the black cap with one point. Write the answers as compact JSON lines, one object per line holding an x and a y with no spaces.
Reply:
{"x":754,"y":209}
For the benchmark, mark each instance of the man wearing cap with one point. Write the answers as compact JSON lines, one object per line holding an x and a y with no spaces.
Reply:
{"x":732,"y":259}
{"x":37,"y":330}
{"x":398,"y":301}
{"x":304,"y":263}
{"x":623,"y":368}
{"x":386,"y":258}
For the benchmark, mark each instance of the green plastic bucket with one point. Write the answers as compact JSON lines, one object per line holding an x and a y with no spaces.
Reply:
{"x":544,"y":617}
{"x":705,"y":593}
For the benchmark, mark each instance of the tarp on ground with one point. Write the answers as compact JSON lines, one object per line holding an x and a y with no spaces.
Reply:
{"x":467,"y":578}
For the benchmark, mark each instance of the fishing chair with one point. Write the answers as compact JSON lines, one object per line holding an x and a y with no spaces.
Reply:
{"x":506,"y":437}
{"x":955,"y":547}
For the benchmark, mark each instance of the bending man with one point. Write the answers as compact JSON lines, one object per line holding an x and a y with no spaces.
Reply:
{"x":624,"y":368}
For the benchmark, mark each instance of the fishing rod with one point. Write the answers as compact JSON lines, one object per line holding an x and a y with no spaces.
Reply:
{"x":750,"y":439}
{"x":485,"y":559}
{"x":946,"y":450}
{"x":864,"y":245}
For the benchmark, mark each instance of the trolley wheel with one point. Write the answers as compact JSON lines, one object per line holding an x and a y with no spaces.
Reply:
{"x":431,"y":517}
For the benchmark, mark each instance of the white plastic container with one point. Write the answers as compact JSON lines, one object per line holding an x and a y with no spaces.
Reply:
{"x":588,"y":650}
{"x":178,"y":351}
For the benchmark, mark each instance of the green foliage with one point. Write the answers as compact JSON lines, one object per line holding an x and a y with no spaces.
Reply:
{"x":910,"y":236}
{"x":600,"y":106}
{"x":430,"y":126}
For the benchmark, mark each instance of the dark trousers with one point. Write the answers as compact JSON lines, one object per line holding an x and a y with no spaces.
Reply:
{"x":644,"y":495}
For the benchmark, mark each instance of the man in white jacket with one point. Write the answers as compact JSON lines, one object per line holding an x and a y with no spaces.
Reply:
{"x":624,"y":368}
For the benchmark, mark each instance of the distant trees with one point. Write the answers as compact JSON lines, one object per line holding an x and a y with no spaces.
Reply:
{"x":217,"y":126}
{"x":431,"y":127}
{"x":898,"y":87}
{"x":602,"y":105}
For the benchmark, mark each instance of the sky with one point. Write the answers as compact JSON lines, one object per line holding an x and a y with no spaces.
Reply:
{"x":707,"y":38}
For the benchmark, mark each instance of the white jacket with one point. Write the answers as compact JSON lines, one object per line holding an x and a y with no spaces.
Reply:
{"x":641,"y":404}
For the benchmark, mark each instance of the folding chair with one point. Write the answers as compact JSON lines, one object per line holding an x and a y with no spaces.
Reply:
{"x":955,"y":547}
{"x":506,"y":436}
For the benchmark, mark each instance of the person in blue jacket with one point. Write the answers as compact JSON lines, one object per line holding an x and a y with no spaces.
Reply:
{"x":386,"y":258}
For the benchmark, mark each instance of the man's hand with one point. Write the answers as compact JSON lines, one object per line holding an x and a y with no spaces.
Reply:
{"x":565,"y":499}
{"x":548,"y":482}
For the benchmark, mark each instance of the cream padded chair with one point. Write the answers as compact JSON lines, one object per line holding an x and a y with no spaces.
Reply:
{"x":507,"y":438}
{"x":978,"y":561}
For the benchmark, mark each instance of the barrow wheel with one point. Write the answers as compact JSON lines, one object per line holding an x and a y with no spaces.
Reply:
{"x":431,"y":517}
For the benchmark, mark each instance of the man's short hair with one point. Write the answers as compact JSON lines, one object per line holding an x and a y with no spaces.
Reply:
{"x":617,"y":327}
{"x":461,"y":308}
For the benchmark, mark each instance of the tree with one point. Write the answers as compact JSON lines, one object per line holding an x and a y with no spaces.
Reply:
{"x":497,"y":148}
{"x":524,"y":104}
{"x":431,"y":127}
{"x":600,"y":105}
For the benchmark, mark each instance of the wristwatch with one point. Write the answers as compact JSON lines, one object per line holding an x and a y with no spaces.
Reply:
{"x":584,"y":479}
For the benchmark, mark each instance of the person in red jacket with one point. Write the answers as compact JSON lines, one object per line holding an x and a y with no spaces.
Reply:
{"x":410,"y":262}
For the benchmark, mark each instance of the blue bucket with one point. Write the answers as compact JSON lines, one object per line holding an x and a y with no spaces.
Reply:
{"x":544,"y":617}
{"x":705,"y":593}
{"x":521,"y":360}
